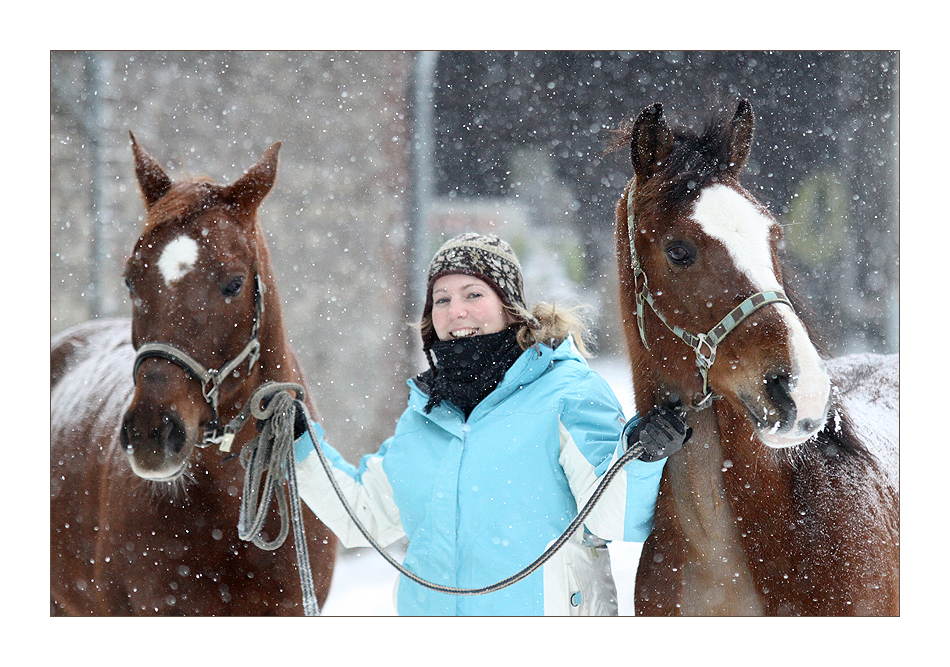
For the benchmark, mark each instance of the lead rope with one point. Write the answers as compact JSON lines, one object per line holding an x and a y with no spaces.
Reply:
{"x":272,"y":452}
{"x":276,"y":455}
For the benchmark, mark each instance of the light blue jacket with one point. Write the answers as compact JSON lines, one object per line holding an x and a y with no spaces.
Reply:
{"x":480,"y":499}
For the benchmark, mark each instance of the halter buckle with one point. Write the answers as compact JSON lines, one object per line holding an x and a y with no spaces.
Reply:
{"x":209,"y":388}
{"x":703,"y":343}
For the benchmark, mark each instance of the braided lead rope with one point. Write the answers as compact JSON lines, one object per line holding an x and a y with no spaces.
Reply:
{"x":272,"y":452}
{"x":276,"y":456}
{"x":631,"y":453}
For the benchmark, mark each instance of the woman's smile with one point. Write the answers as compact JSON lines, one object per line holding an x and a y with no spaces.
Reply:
{"x":463,"y":305}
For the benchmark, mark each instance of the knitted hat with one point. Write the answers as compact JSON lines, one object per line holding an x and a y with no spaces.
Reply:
{"x":486,"y":257}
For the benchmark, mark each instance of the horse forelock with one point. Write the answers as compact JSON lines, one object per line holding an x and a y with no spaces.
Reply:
{"x":696,"y":161}
{"x":183,"y":202}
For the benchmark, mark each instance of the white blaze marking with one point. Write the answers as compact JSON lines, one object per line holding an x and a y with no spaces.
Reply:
{"x":178,"y":258}
{"x":743,"y":229}
{"x":726,"y":215}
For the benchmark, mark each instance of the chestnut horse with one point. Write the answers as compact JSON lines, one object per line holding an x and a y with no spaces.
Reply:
{"x":774,"y":506}
{"x":143,"y":514}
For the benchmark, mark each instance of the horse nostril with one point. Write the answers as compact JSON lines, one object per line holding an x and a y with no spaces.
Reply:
{"x":125,"y":436}
{"x":778,"y":388}
{"x":174,"y":434}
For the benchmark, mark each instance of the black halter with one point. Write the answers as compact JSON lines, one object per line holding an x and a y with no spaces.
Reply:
{"x":211,"y":379}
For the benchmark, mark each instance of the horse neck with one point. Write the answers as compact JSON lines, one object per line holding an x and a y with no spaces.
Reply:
{"x":699,"y":505}
{"x":697,"y":485}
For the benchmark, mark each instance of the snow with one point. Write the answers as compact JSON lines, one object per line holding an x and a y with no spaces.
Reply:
{"x":869,"y":386}
{"x":109,"y":383}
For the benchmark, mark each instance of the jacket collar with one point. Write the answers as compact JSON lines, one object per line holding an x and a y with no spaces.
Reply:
{"x":531,"y":365}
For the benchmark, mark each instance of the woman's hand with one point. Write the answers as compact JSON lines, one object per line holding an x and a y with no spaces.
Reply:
{"x":661,"y":432}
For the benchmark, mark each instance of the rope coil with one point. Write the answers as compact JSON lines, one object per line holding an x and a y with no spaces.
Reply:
{"x":271,"y":453}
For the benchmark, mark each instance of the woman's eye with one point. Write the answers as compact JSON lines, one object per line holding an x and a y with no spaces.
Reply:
{"x":679,"y":255}
{"x":234,"y":287}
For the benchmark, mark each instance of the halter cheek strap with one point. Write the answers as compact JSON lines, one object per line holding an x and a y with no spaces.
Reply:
{"x":704,"y":345}
{"x":211,"y":379}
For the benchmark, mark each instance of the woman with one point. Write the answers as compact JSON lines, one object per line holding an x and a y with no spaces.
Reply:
{"x":503,"y":441}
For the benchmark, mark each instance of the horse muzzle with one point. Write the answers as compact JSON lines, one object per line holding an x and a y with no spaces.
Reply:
{"x":157,"y":444}
{"x":789,"y":410}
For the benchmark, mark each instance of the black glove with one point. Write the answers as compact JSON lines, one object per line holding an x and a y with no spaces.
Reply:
{"x":300,"y":421}
{"x":300,"y":417}
{"x":660,"y":433}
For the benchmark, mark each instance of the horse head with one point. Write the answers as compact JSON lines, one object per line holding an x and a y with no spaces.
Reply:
{"x":196,"y":279}
{"x":701,"y":261}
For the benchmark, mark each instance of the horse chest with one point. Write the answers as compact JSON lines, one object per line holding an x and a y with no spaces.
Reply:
{"x":715,"y":576}
{"x":182,"y":556}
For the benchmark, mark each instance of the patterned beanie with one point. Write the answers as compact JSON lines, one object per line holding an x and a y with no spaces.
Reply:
{"x":486,"y":257}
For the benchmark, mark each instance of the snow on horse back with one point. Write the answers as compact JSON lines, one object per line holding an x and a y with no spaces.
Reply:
{"x":778,"y":504}
{"x":143,"y":511}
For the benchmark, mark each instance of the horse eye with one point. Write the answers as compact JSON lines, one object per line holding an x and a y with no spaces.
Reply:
{"x":234,"y":287}
{"x":129,"y":286}
{"x":679,"y":255}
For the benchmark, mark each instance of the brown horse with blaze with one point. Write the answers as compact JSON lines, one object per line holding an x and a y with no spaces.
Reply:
{"x":776,"y":506}
{"x":143,"y":512}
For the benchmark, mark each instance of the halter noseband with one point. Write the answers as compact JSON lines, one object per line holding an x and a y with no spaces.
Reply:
{"x":704,"y":345}
{"x":211,"y":379}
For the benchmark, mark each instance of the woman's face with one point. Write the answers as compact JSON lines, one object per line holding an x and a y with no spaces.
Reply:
{"x":464,"y":305}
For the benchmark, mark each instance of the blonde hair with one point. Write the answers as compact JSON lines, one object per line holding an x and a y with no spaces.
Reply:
{"x":554,"y":325}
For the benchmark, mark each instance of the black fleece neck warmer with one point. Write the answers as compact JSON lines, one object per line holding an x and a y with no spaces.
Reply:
{"x":468,"y":369}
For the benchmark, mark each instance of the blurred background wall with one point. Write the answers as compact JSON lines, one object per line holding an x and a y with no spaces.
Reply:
{"x":387,"y":153}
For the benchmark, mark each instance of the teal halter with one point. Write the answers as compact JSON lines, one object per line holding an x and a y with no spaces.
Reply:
{"x":704,"y":345}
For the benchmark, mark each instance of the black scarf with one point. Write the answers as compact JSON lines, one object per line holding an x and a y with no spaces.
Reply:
{"x":468,"y":369}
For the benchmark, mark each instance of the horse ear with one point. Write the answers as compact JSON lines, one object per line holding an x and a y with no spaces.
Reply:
{"x":153,"y":181}
{"x":249,"y":191}
{"x":651,"y":142}
{"x":740,"y":141}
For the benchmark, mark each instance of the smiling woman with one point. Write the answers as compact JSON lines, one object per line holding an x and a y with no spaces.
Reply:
{"x":466,"y":306}
{"x":506,"y":435}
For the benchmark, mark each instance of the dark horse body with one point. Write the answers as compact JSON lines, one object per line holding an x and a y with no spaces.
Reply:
{"x":775,"y":506}
{"x":163,"y":539}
